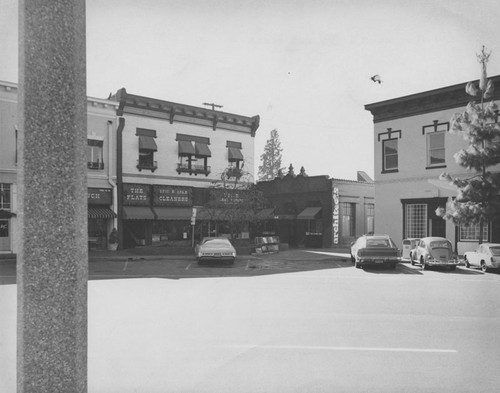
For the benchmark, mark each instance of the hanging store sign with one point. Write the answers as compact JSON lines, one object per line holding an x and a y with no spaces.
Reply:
{"x":335,"y":216}
{"x":172,"y":196}
{"x":137,"y":194}
{"x":99,"y":196}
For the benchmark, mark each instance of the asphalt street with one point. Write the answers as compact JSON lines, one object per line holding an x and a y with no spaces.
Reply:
{"x":291,"y":322}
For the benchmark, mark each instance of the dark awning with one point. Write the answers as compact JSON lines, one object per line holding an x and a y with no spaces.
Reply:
{"x":211,"y":214}
{"x":100,"y":212}
{"x":234,"y":154}
{"x":309,"y":213}
{"x":265,"y":214}
{"x":138,"y":213}
{"x":147,"y":143}
{"x":173,"y":213}
{"x":186,"y":148}
{"x":202,"y":150}
{"x":6,"y":214}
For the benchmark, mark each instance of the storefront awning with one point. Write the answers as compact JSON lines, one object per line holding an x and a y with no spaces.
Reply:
{"x":202,"y":150}
{"x":265,"y":214}
{"x":173,"y":213}
{"x":309,"y":213}
{"x":147,"y":143}
{"x":211,"y":214}
{"x":138,"y":213}
{"x":186,"y":148}
{"x":100,"y":212}
{"x":234,"y":154}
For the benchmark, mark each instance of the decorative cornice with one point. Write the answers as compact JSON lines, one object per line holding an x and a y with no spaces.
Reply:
{"x":426,"y":102}
{"x":151,"y":107}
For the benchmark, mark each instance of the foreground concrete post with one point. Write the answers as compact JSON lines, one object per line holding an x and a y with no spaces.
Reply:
{"x":52,"y":261}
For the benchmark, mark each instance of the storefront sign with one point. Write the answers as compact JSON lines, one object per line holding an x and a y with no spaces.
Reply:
{"x":172,"y":196}
{"x":137,"y":194}
{"x":335,"y":216}
{"x":99,"y":196}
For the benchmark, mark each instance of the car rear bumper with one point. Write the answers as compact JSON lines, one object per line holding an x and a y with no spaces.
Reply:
{"x":435,"y":262}
{"x":222,"y":258}
{"x":377,"y":261}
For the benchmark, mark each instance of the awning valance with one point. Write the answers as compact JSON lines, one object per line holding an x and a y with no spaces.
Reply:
{"x":100,"y":212}
{"x":147,"y":143}
{"x":138,"y":213}
{"x":265,"y":214}
{"x":186,"y":148}
{"x":309,"y":213}
{"x":173,"y":213}
{"x":202,"y":150}
{"x":234,"y":154}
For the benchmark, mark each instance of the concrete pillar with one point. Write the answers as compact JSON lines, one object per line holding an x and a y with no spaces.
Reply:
{"x":52,"y":177}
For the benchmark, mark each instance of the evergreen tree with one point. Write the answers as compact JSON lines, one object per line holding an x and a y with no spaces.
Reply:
{"x":271,"y":158}
{"x":477,"y":201}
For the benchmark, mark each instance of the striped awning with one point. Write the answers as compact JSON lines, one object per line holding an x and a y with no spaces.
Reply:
{"x":6,"y":214}
{"x":100,"y":212}
{"x":147,"y":143}
{"x":202,"y":150}
{"x":186,"y":148}
{"x":309,"y":213}
{"x":265,"y":214}
{"x":234,"y":154}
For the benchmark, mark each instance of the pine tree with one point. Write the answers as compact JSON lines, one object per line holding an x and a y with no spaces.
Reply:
{"x":477,"y":201}
{"x":271,"y":158}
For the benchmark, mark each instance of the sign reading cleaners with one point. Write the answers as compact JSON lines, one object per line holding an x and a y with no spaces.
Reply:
{"x":172,"y":196}
{"x":137,"y":194}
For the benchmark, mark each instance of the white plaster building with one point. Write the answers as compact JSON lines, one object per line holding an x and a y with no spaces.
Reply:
{"x":412,"y":148}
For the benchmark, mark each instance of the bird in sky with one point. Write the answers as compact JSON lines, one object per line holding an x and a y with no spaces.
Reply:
{"x":376,"y":78}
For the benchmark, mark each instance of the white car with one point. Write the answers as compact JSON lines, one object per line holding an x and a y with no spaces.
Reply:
{"x":215,"y":249}
{"x":486,"y":256}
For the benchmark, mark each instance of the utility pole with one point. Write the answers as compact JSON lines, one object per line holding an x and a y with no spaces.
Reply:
{"x":213,"y":105}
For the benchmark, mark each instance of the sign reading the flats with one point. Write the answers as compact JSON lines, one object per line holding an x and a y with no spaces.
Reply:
{"x":137,"y":194}
{"x":172,"y":196}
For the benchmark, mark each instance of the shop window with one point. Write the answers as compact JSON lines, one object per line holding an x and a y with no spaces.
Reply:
{"x":471,"y":232}
{"x":5,"y":200}
{"x":94,"y":154}
{"x":416,"y":220}
{"x":147,"y":149}
{"x":193,"y":152}
{"x":348,"y":212}
{"x":4,"y":228}
{"x":390,"y":155}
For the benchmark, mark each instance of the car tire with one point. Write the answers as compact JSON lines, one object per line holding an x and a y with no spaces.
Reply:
{"x":467,"y":264}
{"x":412,"y":262}
{"x":423,"y":264}
{"x":357,"y":265}
{"x":392,"y":266}
{"x":353,"y":260}
{"x":484,"y":268}
{"x":453,"y":267}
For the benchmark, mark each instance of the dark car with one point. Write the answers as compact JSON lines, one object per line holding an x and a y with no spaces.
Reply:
{"x":374,"y":250}
{"x":215,"y":249}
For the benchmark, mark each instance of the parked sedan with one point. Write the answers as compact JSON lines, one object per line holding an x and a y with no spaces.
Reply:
{"x":434,"y":251}
{"x":486,"y":256}
{"x":215,"y":249}
{"x":374,"y":250}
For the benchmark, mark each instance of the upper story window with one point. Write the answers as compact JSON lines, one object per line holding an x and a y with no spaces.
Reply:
{"x":147,"y":149}
{"x":471,"y":232}
{"x":390,"y":155}
{"x":94,"y":153}
{"x":435,"y":140}
{"x":193,"y":154}
{"x":234,"y":154}
{"x":5,"y":201}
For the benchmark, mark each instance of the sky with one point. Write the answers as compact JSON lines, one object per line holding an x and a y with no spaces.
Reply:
{"x":303,"y":66}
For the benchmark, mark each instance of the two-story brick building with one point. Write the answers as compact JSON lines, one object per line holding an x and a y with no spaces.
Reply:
{"x":168,"y":156}
{"x":412,"y":148}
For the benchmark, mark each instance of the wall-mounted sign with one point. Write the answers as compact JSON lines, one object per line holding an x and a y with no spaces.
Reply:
{"x":137,"y":194}
{"x":172,"y":196}
{"x":99,"y":196}
{"x":335,"y":215}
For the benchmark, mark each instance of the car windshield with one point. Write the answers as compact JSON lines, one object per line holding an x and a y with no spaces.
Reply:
{"x":214,"y":242}
{"x":380,"y":242}
{"x":495,"y":251}
{"x":440,"y":244}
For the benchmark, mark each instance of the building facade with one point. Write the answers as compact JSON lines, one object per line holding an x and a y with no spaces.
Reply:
{"x":102,"y":193}
{"x":412,"y":148}
{"x":168,"y":156}
{"x":317,"y":211}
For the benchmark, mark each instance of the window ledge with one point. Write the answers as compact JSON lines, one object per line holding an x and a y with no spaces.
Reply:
{"x":390,"y":171}
{"x":436,"y":167}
